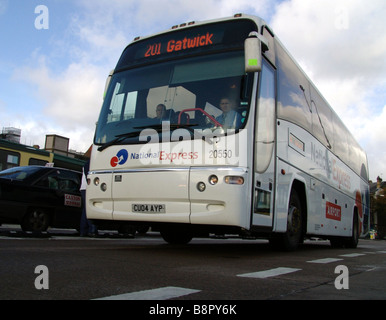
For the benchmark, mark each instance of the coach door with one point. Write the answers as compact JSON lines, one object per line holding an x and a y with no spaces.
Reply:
{"x":263,"y":190}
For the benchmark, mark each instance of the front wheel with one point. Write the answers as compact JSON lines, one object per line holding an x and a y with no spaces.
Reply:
{"x":36,"y":220}
{"x":177,"y":234}
{"x":290,"y":240}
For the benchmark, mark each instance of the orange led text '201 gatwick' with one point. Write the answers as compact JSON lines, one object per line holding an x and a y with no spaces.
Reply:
{"x":178,"y":45}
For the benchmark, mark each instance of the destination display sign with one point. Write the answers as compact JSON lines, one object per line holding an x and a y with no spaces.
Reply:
{"x":184,"y":41}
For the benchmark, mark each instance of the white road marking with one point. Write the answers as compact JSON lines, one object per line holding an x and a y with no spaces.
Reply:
{"x":269,"y":273}
{"x":325,"y":260}
{"x":164,"y":293}
{"x":352,"y":255}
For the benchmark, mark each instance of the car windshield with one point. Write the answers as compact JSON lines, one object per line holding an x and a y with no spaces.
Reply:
{"x":199,"y":94}
{"x":18,"y":173}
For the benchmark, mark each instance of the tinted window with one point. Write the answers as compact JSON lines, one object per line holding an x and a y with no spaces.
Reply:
{"x":265,"y":134}
{"x":19,"y":173}
{"x":60,"y":180}
{"x":294,"y":94}
{"x":321,"y":119}
{"x":299,"y":102}
{"x":340,"y":141}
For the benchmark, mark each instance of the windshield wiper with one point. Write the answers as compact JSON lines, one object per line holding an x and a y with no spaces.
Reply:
{"x":119,"y":138}
{"x":158,"y":128}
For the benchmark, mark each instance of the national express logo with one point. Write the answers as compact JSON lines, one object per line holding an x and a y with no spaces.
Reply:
{"x":120,"y":158}
{"x":123,"y":155}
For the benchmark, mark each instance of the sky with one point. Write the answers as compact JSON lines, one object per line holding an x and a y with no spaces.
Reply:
{"x":55,"y":56}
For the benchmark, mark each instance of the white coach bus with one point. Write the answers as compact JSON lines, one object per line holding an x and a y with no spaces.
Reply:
{"x":212,"y":128}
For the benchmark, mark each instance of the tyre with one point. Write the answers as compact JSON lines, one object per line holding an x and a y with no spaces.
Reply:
{"x":127,"y":229}
{"x":290,"y":240}
{"x":337,"y":243}
{"x":177,"y":234}
{"x":352,"y":242}
{"x":36,"y":220}
{"x":143,"y":229}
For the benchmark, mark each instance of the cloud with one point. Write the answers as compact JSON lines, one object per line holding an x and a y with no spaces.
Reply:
{"x":341,"y":45}
{"x":150,"y":16}
{"x":342,"y":38}
{"x":376,"y":144}
{"x":71,"y":94}
{"x":70,"y":101}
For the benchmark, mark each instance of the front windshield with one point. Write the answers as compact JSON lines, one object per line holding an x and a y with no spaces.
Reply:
{"x":204,"y":93}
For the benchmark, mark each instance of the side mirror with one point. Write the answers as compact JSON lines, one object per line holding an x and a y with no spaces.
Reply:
{"x":253,"y":47}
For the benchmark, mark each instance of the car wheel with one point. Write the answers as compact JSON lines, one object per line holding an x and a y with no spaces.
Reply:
{"x":127,"y":229}
{"x":36,"y":220}
{"x":143,"y":229}
{"x":177,"y":234}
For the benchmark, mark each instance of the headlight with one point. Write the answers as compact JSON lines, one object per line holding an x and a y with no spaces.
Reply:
{"x":213,"y":179}
{"x":201,"y":186}
{"x":234,"y":180}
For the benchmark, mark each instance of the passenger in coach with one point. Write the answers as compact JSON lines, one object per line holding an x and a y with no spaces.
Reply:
{"x":230,"y":119}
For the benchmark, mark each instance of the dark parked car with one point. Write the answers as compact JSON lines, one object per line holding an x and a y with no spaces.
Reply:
{"x":40,"y":197}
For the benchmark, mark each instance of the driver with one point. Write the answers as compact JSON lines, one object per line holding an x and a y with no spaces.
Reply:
{"x":230,"y":119}
{"x":160,"y":111}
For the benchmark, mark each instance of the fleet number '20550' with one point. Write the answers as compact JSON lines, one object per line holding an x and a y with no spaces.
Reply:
{"x":214,"y":154}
